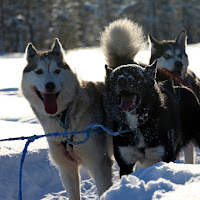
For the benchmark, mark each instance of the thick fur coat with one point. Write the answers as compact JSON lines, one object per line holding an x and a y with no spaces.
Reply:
{"x":173,"y":65}
{"x":149,"y":110}
{"x":173,"y":60}
{"x":51,"y":87}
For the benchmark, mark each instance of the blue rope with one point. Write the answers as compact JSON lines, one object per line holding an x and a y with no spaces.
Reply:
{"x":88,"y":132}
{"x":21,"y":167}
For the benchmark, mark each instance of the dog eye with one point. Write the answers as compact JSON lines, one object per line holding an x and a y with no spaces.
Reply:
{"x":57,"y":71}
{"x":39,"y":71}
{"x":167,"y":56}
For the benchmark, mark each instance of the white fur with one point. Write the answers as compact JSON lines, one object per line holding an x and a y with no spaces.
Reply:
{"x":31,"y":80}
{"x":154,"y":154}
{"x":94,"y":155}
{"x":150,"y":156}
{"x":185,"y":66}
{"x":130,"y":154}
{"x":189,"y":154}
{"x":122,"y":38}
{"x":132,"y":120}
{"x":169,"y":63}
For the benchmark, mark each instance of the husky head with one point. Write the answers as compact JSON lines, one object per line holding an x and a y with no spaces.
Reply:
{"x":47,"y":80}
{"x":131,"y":85}
{"x":170,"y":54}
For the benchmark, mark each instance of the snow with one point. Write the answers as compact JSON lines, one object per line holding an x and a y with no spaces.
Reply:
{"x":41,"y":179}
{"x":158,"y":181}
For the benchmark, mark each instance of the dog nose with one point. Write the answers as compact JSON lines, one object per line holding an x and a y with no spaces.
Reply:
{"x":178,"y":65}
{"x":50,"y":86}
{"x":122,"y":81}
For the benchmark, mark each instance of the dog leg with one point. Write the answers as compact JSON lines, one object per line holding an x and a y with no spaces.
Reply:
{"x":101,"y":172}
{"x":70,"y":180}
{"x":68,"y":168}
{"x":125,"y":168}
{"x":189,"y":154}
{"x":96,"y":158}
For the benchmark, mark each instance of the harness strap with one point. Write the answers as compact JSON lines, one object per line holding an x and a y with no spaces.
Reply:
{"x":178,"y":94}
{"x":63,"y":120}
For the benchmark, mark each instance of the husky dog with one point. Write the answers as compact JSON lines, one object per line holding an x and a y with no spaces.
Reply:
{"x":150,"y":112}
{"x":172,"y":58}
{"x":173,"y":64}
{"x":51,"y":87}
{"x":135,"y":101}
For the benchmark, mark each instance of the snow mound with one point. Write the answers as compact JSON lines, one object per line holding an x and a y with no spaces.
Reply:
{"x":160,"y":181}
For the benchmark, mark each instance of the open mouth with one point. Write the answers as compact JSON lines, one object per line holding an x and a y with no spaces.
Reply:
{"x":127,"y":99}
{"x":49,"y":101}
{"x":176,"y":73}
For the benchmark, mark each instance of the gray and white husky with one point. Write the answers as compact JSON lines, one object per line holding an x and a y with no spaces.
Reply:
{"x":173,"y":61}
{"x":172,"y":57}
{"x":50,"y":86}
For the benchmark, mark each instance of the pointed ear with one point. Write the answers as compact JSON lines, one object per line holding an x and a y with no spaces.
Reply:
{"x":151,"y":70}
{"x":151,"y":39}
{"x":108,"y":70}
{"x":30,"y":51}
{"x":56,"y":48}
{"x":182,"y":39}
{"x":152,"y":43}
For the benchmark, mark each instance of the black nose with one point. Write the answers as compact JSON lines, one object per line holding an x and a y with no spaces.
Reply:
{"x":50,"y":86}
{"x":178,"y":65}
{"x":122,"y":81}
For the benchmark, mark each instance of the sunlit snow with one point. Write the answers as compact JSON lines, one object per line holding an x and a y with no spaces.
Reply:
{"x":41,"y":180}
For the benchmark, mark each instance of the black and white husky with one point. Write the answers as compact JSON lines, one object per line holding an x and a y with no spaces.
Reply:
{"x":50,"y":86}
{"x":135,"y":101}
{"x":148,"y":111}
{"x":173,"y":64}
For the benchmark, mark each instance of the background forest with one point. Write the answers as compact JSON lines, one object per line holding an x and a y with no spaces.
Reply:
{"x":78,"y":23}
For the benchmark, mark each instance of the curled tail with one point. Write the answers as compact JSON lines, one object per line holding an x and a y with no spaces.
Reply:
{"x":121,"y":41}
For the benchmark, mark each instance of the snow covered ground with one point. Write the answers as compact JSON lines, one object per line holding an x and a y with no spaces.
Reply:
{"x":41,"y":180}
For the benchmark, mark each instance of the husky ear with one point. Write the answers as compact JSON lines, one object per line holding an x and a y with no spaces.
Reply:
{"x":151,"y":39}
{"x":182,"y":39}
{"x":30,"y":51}
{"x":56,"y":48}
{"x":152,"y":43}
{"x":108,"y":70}
{"x":151,"y":70}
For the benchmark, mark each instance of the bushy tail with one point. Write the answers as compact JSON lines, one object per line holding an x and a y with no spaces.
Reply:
{"x":121,"y":41}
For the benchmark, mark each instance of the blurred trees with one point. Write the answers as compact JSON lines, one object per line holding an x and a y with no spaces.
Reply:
{"x":165,"y":19}
{"x":78,"y":23}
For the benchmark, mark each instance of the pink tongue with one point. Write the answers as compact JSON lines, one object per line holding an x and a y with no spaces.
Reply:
{"x":178,"y":78}
{"x":50,"y":103}
{"x":127,"y":102}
